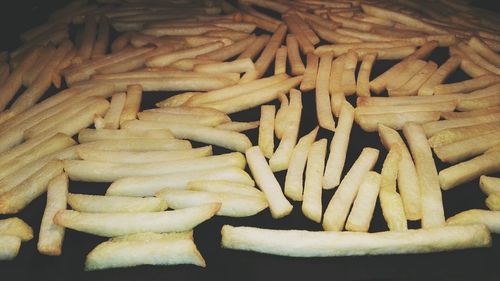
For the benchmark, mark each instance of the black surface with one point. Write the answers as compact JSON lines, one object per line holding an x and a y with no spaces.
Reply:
{"x":474,"y":264}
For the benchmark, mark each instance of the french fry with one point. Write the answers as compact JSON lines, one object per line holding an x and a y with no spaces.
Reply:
{"x":138,"y":144}
{"x":446,"y":106}
{"x":255,"y":48}
{"x":479,"y":103}
{"x":51,"y":236}
{"x":266,"y":181}
{"x":336,"y":89}
{"x":489,"y":185}
{"x":230,"y":51}
{"x":102,"y":41}
{"x":280,"y":60}
{"x":95,"y":171}
{"x":238,"y":126}
{"x":338,"y":208}
{"x":432,"y":128}
{"x":396,"y":121}
{"x":323,"y":108}
{"x":439,"y":76}
{"x":114,"y":204}
{"x":412,"y":86}
{"x":463,"y":172}
{"x":452,"y":135}
{"x":21,"y":195}
{"x":177,"y":100}
{"x":281,"y":157}
{"x":291,"y":21}
{"x":132,"y":103}
{"x":431,"y":198}
{"x":312,"y":204}
{"x":310,"y":73}
{"x":340,"y":49}
{"x":281,"y":115}
{"x":348,"y":74}
{"x":330,"y":35}
{"x":42,"y":61}
{"x":484,"y":50}
{"x":112,"y":116}
{"x":16,"y":227}
{"x":236,"y":66}
{"x":294,"y":175}
{"x":91,"y":135}
{"x":323,"y":243}
{"x":189,"y":64}
{"x":117,"y":224}
{"x":88,"y":38}
{"x":338,"y":147}
{"x":393,"y":53}
{"x":350,"y":23}
{"x":142,"y":157}
{"x":476,"y":216}
{"x":266,"y":130}
{"x":205,"y":120}
{"x":474,"y":57}
{"x":296,"y":64}
{"x":148,"y":248}
{"x":383,"y":101}
{"x":363,"y":80}
{"x":169,"y":58}
{"x":470,"y":147}
{"x":232,"y":205}
{"x":364,"y":204}
{"x":9,"y":247}
{"x":225,"y":186}
{"x":410,"y":71}
{"x":470,"y":85}
{"x":189,"y":110}
{"x":149,"y":185}
{"x":493,"y":202}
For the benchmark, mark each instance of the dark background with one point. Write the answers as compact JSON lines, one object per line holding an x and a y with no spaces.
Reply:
{"x":473,"y":264}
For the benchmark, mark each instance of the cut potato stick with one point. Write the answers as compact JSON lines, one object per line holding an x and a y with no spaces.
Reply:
{"x":294,"y":175}
{"x":410,"y":71}
{"x":383,"y":101}
{"x":312,"y":204}
{"x":432,"y":128}
{"x":115,"y":204}
{"x":51,"y":236}
{"x":138,"y":144}
{"x":336,"y":89}
{"x":340,"y":49}
{"x":493,"y":202}
{"x":266,"y":130}
{"x":291,"y":21}
{"x":232,"y":205}
{"x":169,"y":58}
{"x":206,"y":120}
{"x":363,"y":80}
{"x":21,"y":195}
{"x":116,"y":224}
{"x":323,"y":244}
{"x":489,"y":185}
{"x":479,"y":103}
{"x":9,"y":247}
{"x":323,"y":107}
{"x":484,"y":50}
{"x":296,"y":65}
{"x":238,"y":126}
{"x":476,"y":216}
{"x":95,"y":171}
{"x":280,"y":119}
{"x":310,"y":73}
{"x":266,"y":181}
{"x":439,"y":76}
{"x":364,"y":204}
{"x":348,"y":83}
{"x":236,"y":66}
{"x":280,"y":60}
{"x":112,"y":117}
{"x":88,"y":39}
{"x":412,"y":86}
{"x":189,"y":64}
{"x":390,"y":200}
{"x":468,"y":170}
{"x":149,"y":185}
{"x":452,"y":135}
{"x":225,"y":186}
{"x":396,"y":121}
{"x":470,"y":147}
{"x":102,"y":41}
{"x":255,"y":48}
{"x":446,"y":106}
{"x":177,"y":100}
{"x":281,"y":157}
{"x":431,"y":198}
{"x":470,"y":85}
{"x":474,"y":57}
{"x":338,"y":147}
{"x":392,"y":53}
{"x":329,"y":35}
{"x":230,"y":51}
{"x":338,"y":208}
{"x":16,"y":227}
{"x":148,"y":249}
{"x":91,"y":135}
{"x":132,"y":103}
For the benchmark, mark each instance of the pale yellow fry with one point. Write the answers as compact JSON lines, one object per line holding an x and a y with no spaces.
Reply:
{"x":475,"y":216}
{"x":432,"y":128}
{"x":16,"y":227}
{"x":266,"y":130}
{"x":493,"y":202}
{"x":411,"y":70}
{"x":452,"y":135}
{"x":167,"y":59}
{"x":364,"y":204}
{"x":363,"y":80}
{"x":312,"y":206}
{"x":323,"y":108}
{"x":281,"y":115}
{"x":348,"y":83}
{"x":396,"y":121}
{"x":412,"y":86}
{"x":466,"y":86}
{"x":9,"y":247}
{"x":470,"y":147}
{"x":132,"y":103}
{"x":296,"y":64}
{"x":225,"y":186}
{"x":489,"y":185}
{"x":310,"y":73}
{"x":114,"y":204}
{"x":280,"y":60}
{"x":91,"y":135}
{"x":138,"y":144}
{"x":439,"y":76}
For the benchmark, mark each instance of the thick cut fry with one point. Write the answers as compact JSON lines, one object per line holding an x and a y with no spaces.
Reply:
{"x":189,"y":64}
{"x":452,"y":135}
{"x":21,"y":195}
{"x":412,"y":86}
{"x":138,"y":144}
{"x":432,"y":128}
{"x":114,"y":204}
{"x":384,"y":101}
{"x":230,"y":51}
{"x":331,"y":36}
{"x":132,"y":103}
{"x":431,"y":198}
{"x":340,"y":49}
{"x":396,"y":121}
{"x":294,"y":175}
{"x":296,"y":65}
{"x":9,"y":247}
{"x":291,"y":21}
{"x":303,"y":243}
{"x":255,"y":48}
{"x":51,"y":236}
{"x":280,"y":60}
{"x":281,"y":157}
{"x":312,"y":206}
{"x":225,"y":186}
{"x":439,"y":76}
{"x":235,"y":66}
{"x":266,"y":181}
{"x":112,"y":117}
{"x":479,"y":103}
{"x":169,"y":58}
{"x":489,"y":185}
{"x":149,"y":185}
{"x":364,"y":204}
{"x":310,"y":73}
{"x":475,"y":216}
{"x":338,"y":208}
{"x":493,"y":202}
{"x":16,"y":227}
{"x":363,"y":81}
{"x":194,"y":119}
{"x":266,"y":130}
{"x":472,"y":113}
{"x":461,"y":150}
{"x":466,"y":171}
{"x":91,"y":135}
{"x":116,"y":224}
{"x":31,"y":74}
{"x":338,"y":147}
{"x":323,"y":108}
{"x":148,"y":248}
{"x":336,"y":79}
{"x":95,"y":171}
{"x":348,"y":83}
{"x":280,"y":120}
{"x":469,"y":53}
{"x":470,"y":85}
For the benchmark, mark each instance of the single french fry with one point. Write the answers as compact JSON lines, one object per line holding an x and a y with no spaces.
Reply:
{"x":132,"y":103}
{"x":20,"y":196}
{"x":432,"y":128}
{"x":280,"y":120}
{"x":116,"y":224}
{"x":148,"y":248}
{"x":463,"y":172}
{"x":255,"y":48}
{"x":329,"y":35}
{"x":90,"y":135}
{"x":16,"y":227}
{"x":206,"y":120}
{"x":431,"y":198}
{"x":446,"y":106}
{"x":452,"y":135}
{"x":236,"y":66}
{"x":177,"y":100}
{"x":225,"y":186}
{"x":474,"y":57}
{"x":323,"y":108}
{"x":383,"y":101}
{"x":310,"y":73}
{"x":102,"y":41}
{"x":489,"y":185}
{"x":484,"y":50}
{"x":296,"y":64}
{"x":238,"y":126}
{"x":493,"y":202}
{"x":280,"y":60}
{"x":348,"y":83}
{"x":169,"y":58}
{"x":338,"y":208}
{"x":138,"y":144}
{"x":479,"y":103}
{"x":266,"y":130}
{"x":470,"y":147}
{"x":230,"y":51}
{"x":412,"y":86}
{"x":95,"y":171}
{"x":363,"y":80}
{"x":112,"y":117}
{"x":476,"y":216}
{"x":51,"y":236}
{"x":189,"y":110}
{"x":266,"y":181}
{"x":189,"y":64}
{"x":88,"y":38}
{"x":304,"y":243}
{"x":336,"y":81}
{"x":114,"y":204}
{"x":396,"y":121}
{"x":312,"y":204}
{"x":439,"y":76}
{"x":470,"y":85}
{"x":9,"y":247}
{"x":338,"y":147}
{"x":364,"y":204}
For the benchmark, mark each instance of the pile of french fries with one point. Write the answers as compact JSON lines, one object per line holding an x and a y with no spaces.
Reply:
{"x":218,"y":57}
